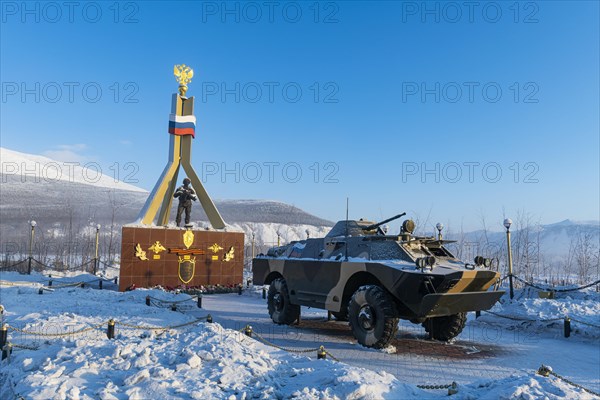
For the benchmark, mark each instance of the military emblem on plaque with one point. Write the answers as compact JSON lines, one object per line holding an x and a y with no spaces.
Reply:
{"x":187,"y":267}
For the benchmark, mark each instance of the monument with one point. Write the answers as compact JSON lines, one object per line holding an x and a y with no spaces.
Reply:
{"x":152,"y":253}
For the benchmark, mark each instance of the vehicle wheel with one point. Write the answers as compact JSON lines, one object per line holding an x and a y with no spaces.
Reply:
{"x":281,"y":310}
{"x":372,"y":317}
{"x":447,"y":327}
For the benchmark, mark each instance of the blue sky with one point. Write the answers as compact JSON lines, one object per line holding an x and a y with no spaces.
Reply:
{"x":388,"y":90}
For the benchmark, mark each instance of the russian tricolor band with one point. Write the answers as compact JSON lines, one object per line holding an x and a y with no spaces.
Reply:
{"x":182,"y":125}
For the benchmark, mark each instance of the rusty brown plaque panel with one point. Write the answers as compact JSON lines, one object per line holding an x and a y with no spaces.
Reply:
{"x":160,"y":256}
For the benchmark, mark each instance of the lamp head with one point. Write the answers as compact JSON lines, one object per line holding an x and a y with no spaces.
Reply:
{"x":507,"y":223}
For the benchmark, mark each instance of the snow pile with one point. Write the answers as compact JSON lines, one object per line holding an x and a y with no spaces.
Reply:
{"x":582,"y":307}
{"x":198,"y":361}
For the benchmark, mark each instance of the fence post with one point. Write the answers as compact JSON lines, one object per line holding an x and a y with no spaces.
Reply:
{"x":6,"y":351}
{"x":100,"y":284}
{"x":200,"y":301}
{"x":110,"y":331}
{"x":248,"y":330}
{"x":321,"y":353}
{"x":567,"y":327}
{"x":147,"y":300}
{"x":264,"y":293}
{"x":3,"y":335}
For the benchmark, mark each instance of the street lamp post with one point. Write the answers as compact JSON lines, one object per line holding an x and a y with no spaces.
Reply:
{"x":278,"y":239}
{"x":33,"y":224}
{"x":439,"y":226}
{"x":507,"y":224}
{"x":97,"y":245}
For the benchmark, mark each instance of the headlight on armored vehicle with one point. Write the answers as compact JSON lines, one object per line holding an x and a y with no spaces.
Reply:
{"x":483,"y":262}
{"x":425,"y":262}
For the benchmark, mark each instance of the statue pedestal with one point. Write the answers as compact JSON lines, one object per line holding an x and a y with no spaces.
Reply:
{"x":153,"y":256}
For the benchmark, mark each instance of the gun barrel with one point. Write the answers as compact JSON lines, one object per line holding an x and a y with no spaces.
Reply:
{"x":373,"y":226}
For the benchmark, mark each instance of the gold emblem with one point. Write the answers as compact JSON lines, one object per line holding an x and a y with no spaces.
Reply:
{"x":139,"y":253}
{"x":187,"y":267}
{"x":229,"y":255}
{"x":183,"y":75}
{"x":188,"y":238}
{"x":157,"y":247}
{"x":215,"y":248}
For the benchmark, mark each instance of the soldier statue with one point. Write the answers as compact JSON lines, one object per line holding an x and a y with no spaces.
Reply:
{"x":185,"y":194}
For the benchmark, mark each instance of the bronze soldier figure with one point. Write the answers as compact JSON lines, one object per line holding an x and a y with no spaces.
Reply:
{"x":185,"y":194}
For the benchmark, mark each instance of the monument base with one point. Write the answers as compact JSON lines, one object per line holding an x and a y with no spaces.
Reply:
{"x":176,"y":257}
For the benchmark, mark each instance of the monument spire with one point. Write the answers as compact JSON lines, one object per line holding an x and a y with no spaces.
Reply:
{"x":182,"y":129}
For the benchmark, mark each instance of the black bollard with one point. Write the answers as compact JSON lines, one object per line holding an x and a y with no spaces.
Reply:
{"x":3,"y":335}
{"x":100,"y":284}
{"x":209,"y":319}
{"x":240,"y":289}
{"x":173,"y":307}
{"x":567,"y":327}
{"x":50,"y":283}
{"x":248,"y":331}
{"x":147,"y":300}
{"x":110,"y":331}
{"x":264,"y":293}
{"x":116,"y":280}
{"x":248,"y":283}
{"x":83,"y":285}
{"x":41,"y":291}
{"x":321,"y":353}
{"x":199,"y":301}
{"x":477,"y":314}
{"x":6,"y":350}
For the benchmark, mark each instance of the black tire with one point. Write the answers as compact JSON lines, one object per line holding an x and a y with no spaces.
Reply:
{"x":447,"y":327}
{"x":281,"y":310}
{"x":372,"y":317}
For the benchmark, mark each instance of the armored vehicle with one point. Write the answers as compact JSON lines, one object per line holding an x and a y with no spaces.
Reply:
{"x":372,"y":279}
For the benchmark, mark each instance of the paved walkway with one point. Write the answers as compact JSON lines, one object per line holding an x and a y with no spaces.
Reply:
{"x":482,"y":351}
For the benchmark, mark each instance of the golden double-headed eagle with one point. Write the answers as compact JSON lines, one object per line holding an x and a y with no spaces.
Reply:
{"x":183,"y":75}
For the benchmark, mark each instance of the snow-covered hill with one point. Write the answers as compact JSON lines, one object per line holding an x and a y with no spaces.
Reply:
{"x":31,"y":168}
{"x":57,"y":194}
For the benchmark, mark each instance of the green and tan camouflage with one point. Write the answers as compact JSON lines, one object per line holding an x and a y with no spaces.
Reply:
{"x":418,"y":274}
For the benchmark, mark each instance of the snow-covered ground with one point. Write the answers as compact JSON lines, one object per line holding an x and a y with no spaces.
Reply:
{"x":203,"y":360}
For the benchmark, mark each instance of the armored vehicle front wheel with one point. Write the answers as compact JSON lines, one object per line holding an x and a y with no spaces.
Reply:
{"x":447,"y":327}
{"x":372,"y":317}
{"x":281,"y":310}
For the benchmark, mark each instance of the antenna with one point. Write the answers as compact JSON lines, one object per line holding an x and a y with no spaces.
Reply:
{"x":346,"y":245}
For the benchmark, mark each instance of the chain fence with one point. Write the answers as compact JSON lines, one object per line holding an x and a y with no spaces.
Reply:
{"x":552,"y":289}
{"x":545,"y":371}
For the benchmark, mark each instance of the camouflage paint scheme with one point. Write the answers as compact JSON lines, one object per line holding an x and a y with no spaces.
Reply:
{"x":318,"y":274}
